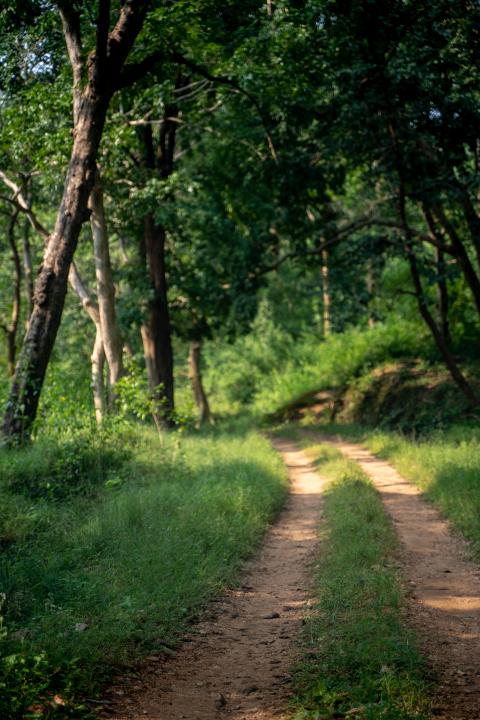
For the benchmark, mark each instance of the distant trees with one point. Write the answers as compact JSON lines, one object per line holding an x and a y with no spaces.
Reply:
{"x":333,"y":136}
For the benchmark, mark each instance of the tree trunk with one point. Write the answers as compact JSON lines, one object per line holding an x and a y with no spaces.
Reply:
{"x":450,"y":361}
{"x":28,"y":267}
{"x":90,"y":108}
{"x":442,"y":295}
{"x":460,"y":254}
{"x":370,"y":290}
{"x":156,"y":331}
{"x":98,"y":383}
{"x":11,"y":328}
{"x":112,"y":341}
{"x":51,"y":285}
{"x":326,"y":297}
{"x":195,"y":373}
{"x":437,"y":335}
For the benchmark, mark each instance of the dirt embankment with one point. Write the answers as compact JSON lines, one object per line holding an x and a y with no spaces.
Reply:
{"x":404,"y":396}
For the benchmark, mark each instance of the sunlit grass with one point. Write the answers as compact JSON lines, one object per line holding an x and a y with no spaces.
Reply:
{"x":105,"y":581}
{"x":360,"y":658}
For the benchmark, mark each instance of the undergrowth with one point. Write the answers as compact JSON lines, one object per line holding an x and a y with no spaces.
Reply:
{"x":94,"y":581}
{"x":360,"y":659}
{"x":268,"y":369}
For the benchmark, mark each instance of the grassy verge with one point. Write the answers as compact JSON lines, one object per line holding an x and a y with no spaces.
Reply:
{"x":360,"y":659}
{"x":97,"y":580}
{"x":445,"y":464}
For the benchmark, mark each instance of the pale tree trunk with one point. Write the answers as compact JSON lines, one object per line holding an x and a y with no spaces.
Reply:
{"x":97,"y":358}
{"x":326,"y":297}
{"x":98,"y":382}
{"x":112,"y":340}
{"x":195,"y":373}
{"x":103,"y":68}
{"x":11,"y":328}
{"x":370,"y":290}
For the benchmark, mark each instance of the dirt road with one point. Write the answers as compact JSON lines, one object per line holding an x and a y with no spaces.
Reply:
{"x":444,"y":584}
{"x":235,"y":664}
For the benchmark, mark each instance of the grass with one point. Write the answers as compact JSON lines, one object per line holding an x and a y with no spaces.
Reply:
{"x":97,"y":581}
{"x":444,"y":464}
{"x":360,"y":659}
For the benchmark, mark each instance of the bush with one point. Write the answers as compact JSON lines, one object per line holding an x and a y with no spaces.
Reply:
{"x":269,"y":370}
{"x":58,"y":470}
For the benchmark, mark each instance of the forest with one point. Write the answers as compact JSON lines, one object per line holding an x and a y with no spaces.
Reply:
{"x":239,"y":365}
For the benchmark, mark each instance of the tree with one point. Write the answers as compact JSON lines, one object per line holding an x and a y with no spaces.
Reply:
{"x":103,"y":68}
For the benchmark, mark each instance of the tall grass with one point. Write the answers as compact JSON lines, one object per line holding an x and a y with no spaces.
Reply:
{"x":104,"y":580}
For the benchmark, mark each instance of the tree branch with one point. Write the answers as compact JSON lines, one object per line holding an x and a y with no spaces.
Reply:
{"x":225,"y":80}
{"x":121,"y":38}
{"x":73,"y":41}
{"x":18,"y":200}
{"x":74,"y":278}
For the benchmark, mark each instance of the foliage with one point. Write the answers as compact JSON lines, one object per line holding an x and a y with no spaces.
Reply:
{"x":59,"y":470}
{"x":270,"y":369}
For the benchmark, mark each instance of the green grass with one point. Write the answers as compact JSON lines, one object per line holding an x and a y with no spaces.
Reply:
{"x":97,"y":581}
{"x":445,"y":464}
{"x":315,"y":365}
{"x":360,"y":659}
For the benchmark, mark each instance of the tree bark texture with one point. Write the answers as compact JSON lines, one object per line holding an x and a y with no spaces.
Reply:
{"x":156,"y":330}
{"x":110,"y":331}
{"x":195,"y":373}
{"x":104,"y":67}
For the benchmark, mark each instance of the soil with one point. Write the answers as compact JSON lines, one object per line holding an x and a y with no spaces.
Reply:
{"x":236,"y":662}
{"x":444,"y":588}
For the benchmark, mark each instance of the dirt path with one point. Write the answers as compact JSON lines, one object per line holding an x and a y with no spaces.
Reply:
{"x":445,"y":587}
{"x":236,"y":663}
